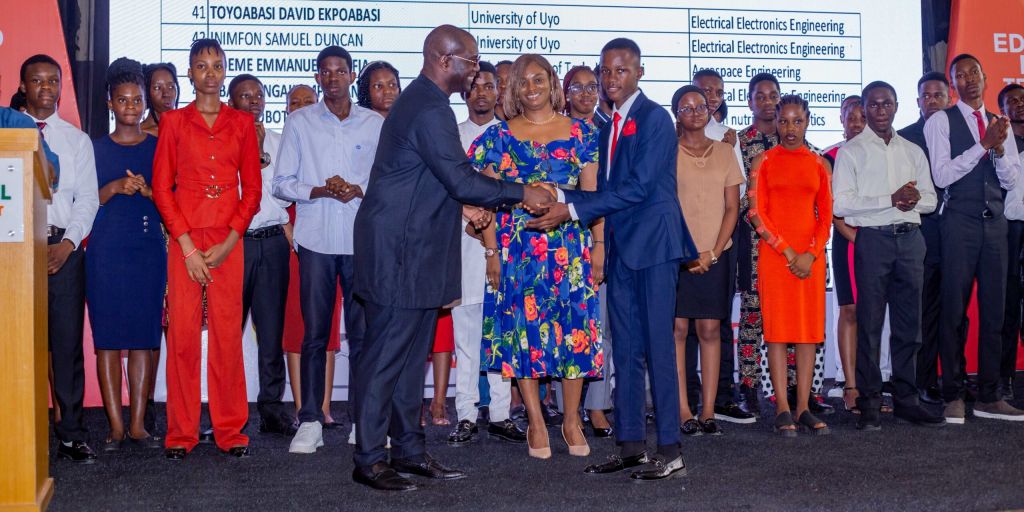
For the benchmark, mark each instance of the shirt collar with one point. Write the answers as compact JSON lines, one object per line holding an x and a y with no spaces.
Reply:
{"x":53,"y":119}
{"x":624,"y":111}
{"x":967,"y":110}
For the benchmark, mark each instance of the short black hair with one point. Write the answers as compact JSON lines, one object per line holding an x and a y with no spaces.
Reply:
{"x":932,"y":76}
{"x":879,"y":84}
{"x":622,"y":43}
{"x":1002,"y":94}
{"x":792,"y":99}
{"x":236,"y":81}
{"x":683,"y":91}
{"x":723,"y":109}
{"x":762,"y":77}
{"x":958,"y":58}
{"x":707,"y":72}
{"x":502,"y":63}
{"x":333,"y":51}
{"x":202,"y":46}
{"x":487,"y":67}
{"x":149,"y":70}
{"x":40,"y":58}
{"x":125,"y":71}
{"x":18,"y":100}
{"x":363,"y":82}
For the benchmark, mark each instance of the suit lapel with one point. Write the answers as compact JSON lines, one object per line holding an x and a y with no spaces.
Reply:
{"x":602,"y":156}
{"x":626,"y":143}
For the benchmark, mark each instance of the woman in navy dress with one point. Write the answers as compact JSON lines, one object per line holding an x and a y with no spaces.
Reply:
{"x":126,"y":259}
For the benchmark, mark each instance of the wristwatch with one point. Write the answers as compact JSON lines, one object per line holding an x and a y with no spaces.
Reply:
{"x":490,"y":251}
{"x":265,"y":158}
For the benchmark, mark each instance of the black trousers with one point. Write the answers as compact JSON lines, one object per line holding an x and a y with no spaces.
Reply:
{"x":1012,"y":312}
{"x":973,"y":248}
{"x":318,"y":285}
{"x":931,"y":308}
{"x":388,"y":377}
{"x":889,"y":270}
{"x":66,"y":301}
{"x":264,"y":293}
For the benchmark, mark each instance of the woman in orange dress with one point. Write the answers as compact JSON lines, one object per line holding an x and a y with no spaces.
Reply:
{"x":791,"y":209}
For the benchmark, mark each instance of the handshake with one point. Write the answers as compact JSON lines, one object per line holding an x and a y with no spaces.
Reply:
{"x":541,"y":200}
{"x":342,"y":190}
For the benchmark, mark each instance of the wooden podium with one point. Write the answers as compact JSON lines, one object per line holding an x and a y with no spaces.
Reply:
{"x":25,"y":482}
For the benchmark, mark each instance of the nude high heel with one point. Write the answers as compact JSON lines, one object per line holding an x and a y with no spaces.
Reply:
{"x":537,"y":453}
{"x":577,"y":450}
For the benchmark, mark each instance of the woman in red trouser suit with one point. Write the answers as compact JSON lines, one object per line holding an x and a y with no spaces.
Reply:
{"x":203,"y":151}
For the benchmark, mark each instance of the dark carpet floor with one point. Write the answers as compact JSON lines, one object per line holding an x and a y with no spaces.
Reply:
{"x":978,"y":466}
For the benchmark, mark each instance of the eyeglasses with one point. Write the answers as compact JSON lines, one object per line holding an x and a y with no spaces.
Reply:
{"x":473,"y":59}
{"x":579,"y":88}
{"x":689,"y":111}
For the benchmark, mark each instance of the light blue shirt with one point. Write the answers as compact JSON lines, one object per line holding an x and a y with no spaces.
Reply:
{"x":315,"y":146}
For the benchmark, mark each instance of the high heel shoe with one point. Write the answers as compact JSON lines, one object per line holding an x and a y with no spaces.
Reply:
{"x":537,"y":453}
{"x":575,"y":449}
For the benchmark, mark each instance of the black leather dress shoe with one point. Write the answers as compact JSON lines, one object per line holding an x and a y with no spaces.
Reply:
{"x":149,"y":442}
{"x":175,"y":454}
{"x":552,"y":417}
{"x":112,"y":445}
{"x":206,"y":436}
{"x":616,"y":464}
{"x":465,"y":431}
{"x":277,"y":426}
{"x":77,"y":452}
{"x":733,"y":413}
{"x":602,"y":433}
{"x":660,"y":469}
{"x":240,"y":452}
{"x":919,"y":416}
{"x":930,"y":395}
{"x":382,"y":477}
{"x":506,"y":431}
{"x":429,"y":468}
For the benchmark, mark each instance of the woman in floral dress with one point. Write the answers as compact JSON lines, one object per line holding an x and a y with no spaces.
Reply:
{"x":541,"y":315}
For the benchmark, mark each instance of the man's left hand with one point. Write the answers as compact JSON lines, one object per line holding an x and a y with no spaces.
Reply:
{"x":557,"y":213}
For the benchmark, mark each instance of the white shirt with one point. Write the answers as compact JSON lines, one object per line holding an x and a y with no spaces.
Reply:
{"x":272,"y":210}
{"x":315,"y":146}
{"x":716,"y":131}
{"x":1013,"y":207}
{"x":77,"y":198}
{"x":946,"y":170}
{"x":868,"y":171}
{"x":474,"y":263}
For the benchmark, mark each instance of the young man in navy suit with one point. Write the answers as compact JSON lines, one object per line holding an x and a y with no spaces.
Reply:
{"x":647,"y":240}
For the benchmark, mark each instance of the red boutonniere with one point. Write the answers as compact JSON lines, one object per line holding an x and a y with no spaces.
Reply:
{"x":629,"y":128}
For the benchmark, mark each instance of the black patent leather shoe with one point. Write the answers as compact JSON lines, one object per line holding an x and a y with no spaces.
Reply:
{"x":149,"y":442}
{"x":660,"y":469}
{"x":733,"y":413}
{"x":206,"y":436}
{"x":277,"y":426}
{"x":930,"y":395}
{"x":602,"y":433}
{"x":429,"y":468}
{"x":552,"y":417}
{"x":506,"y":431}
{"x":175,"y":454}
{"x":382,"y":477}
{"x":710,"y":427}
{"x":918,"y":415}
{"x":465,"y":431}
{"x":240,"y":452}
{"x":77,"y":452}
{"x":691,"y":428}
{"x":616,"y":464}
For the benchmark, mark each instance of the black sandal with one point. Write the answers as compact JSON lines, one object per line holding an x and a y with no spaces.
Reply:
{"x":854,"y":409}
{"x":782,"y":420}
{"x":811,"y":422}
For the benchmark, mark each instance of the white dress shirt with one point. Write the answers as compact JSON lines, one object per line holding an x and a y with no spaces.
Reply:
{"x":315,"y":146}
{"x":77,"y":198}
{"x":474,"y":263}
{"x":868,"y":171}
{"x":946,"y":170}
{"x":1014,"y":203}
{"x":272,"y":210}
{"x":716,"y":131}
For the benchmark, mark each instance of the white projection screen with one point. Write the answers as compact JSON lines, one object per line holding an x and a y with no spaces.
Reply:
{"x":823,"y":49}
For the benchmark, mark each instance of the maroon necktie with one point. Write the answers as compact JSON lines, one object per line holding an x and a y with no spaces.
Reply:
{"x":41,"y":125}
{"x":615,"y":134}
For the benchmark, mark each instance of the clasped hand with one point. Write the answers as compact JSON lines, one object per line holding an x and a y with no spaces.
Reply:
{"x":541,"y":200}
{"x":131,"y":184}
{"x":342,"y":190}
{"x":906,"y":198}
{"x":800,"y":265}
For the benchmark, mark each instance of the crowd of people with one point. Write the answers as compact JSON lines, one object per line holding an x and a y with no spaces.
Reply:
{"x":563,"y":218}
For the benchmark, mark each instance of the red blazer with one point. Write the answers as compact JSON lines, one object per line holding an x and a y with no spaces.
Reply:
{"x":196,"y":170}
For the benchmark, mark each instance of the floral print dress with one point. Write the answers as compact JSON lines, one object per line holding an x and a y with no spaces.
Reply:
{"x":543,"y":320}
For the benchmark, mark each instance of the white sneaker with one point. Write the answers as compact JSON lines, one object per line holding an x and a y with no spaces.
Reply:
{"x":309,"y":437}
{"x":352,"y":438}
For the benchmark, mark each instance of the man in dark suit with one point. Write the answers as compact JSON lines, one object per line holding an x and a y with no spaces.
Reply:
{"x":407,"y":257}
{"x":647,"y":240}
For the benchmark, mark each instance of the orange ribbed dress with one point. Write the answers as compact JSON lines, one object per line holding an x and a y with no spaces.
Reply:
{"x":791,"y":195}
